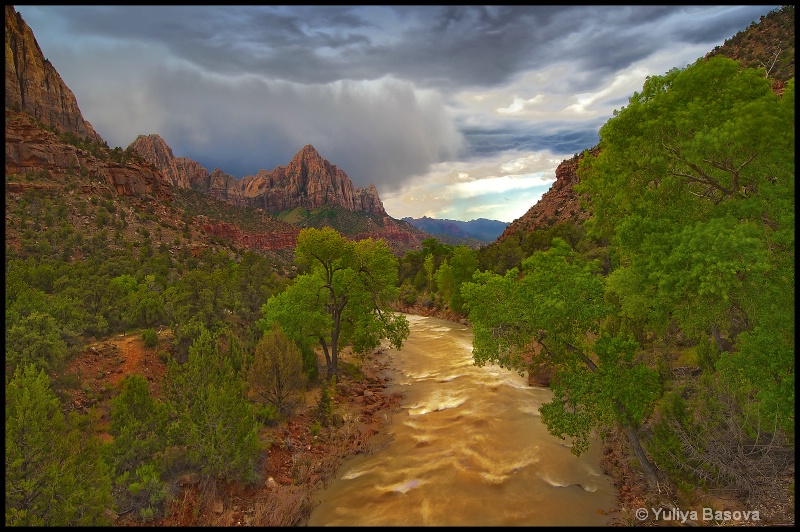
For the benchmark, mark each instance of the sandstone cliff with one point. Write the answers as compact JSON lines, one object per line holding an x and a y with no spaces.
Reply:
{"x":309,"y":181}
{"x":34,"y":86}
{"x":181,"y":172}
{"x":32,"y":150}
{"x":559,"y":204}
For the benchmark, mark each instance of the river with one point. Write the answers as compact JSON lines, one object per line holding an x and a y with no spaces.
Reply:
{"x":467,"y":448}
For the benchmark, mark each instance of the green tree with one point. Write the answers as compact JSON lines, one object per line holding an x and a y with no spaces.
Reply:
{"x":138,"y":424}
{"x":276,"y":375}
{"x":430,"y":268}
{"x":139,"y":428}
{"x":342,"y":298}
{"x":558,"y":303}
{"x":463,"y":263}
{"x":55,"y":475}
{"x":35,"y":339}
{"x":213,"y":419}
{"x":693,"y":186}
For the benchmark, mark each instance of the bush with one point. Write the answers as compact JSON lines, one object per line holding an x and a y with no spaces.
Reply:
{"x":150,"y":337}
{"x":266,"y":414}
{"x":276,"y":375}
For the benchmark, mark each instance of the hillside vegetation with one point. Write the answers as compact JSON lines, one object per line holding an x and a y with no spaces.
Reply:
{"x":664,"y":322}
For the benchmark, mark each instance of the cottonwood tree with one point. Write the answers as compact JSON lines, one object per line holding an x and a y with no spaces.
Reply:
{"x":343,"y":297}
{"x":693,"y":186}
{"x":557,"y":302}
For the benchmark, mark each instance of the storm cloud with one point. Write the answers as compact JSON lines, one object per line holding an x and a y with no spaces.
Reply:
{"x":429,"y":103}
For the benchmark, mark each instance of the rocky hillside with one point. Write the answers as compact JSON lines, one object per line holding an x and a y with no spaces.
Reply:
{"x":48,"y":141}
{"x":559,"y":204}
{"x":768,"y":43}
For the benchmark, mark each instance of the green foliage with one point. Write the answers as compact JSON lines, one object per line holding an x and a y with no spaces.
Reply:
{"x":150,"y":337}
{"x":35,"y":339}
{"x":325,"y":403}
{"x":276,"y":375}
{"x":55,"y":475}
{"x":147,"y":491}
{"x":558,"y":303}
{"x":342,"y":297}
{"x":709,"y":439}
{"x":213,"y":418}
{"x":266,"y":413}
{"x":503,"y":255}
{"x":694,"y":183}
{"x":138,"y":425}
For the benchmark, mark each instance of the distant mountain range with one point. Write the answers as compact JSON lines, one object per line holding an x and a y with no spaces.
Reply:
{"x":480,"y":229}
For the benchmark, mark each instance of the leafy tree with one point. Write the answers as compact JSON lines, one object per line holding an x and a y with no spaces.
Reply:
{"x":342,"y":298}
{"x":558,"y":304}
{"x":256,"y":281}
{"x":276,"y":375}
{"x":445,"y":283}
{"x":55,"y":475}
{"x":430,"y":267}
{"x":213,"y":418}
{"x":198,"y":301}
{"x":35,"y":339}
{"x":463,"y":264}
{"x":694,"y":188}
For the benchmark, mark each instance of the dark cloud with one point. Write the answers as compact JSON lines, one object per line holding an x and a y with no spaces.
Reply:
{"x":390,"y":94}
{"x":433,"y":46}
{"x":485,"y":142}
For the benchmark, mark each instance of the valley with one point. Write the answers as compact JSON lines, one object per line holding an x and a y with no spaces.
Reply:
{"x":188,"y":348}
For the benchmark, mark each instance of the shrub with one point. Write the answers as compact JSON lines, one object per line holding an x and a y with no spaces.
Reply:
{"x":276,"y":375}
{"x":150,"y":337}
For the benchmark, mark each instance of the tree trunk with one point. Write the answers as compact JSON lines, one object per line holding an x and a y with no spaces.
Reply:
{"x":647,"y":467}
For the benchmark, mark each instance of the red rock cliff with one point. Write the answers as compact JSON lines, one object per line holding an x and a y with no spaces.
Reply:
{"x":34,"y":86}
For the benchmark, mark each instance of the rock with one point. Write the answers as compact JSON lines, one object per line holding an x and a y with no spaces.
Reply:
{"x":558,"y":204}
{"x":181,"y":172}
{"x":33,"y":85}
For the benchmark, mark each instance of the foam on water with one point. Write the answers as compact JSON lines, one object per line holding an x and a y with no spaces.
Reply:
{"x":402,"y":487}
{"x":451,"y":378}
{"x":436,"y":406}
{"x":350,"y":475}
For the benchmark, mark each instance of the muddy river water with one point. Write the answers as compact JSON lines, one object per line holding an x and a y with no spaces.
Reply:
{"x":467,"y":448}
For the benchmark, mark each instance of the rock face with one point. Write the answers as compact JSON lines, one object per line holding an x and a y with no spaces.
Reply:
{"x":309,"y":181}
{"x":181,"y":172}
{"x":30,"y":149}
{"x":559,"y":204}
{"x":225,"y":187}
{"x":34,"y":86}
{"x":273,"y":240}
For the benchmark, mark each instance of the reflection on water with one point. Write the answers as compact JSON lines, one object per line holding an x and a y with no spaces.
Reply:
{"x":468,"y":448}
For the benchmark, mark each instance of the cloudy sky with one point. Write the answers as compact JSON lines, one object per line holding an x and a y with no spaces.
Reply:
{"x":457,"y":112}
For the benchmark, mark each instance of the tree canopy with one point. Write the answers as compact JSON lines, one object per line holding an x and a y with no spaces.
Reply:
{"x":342,"y":298}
